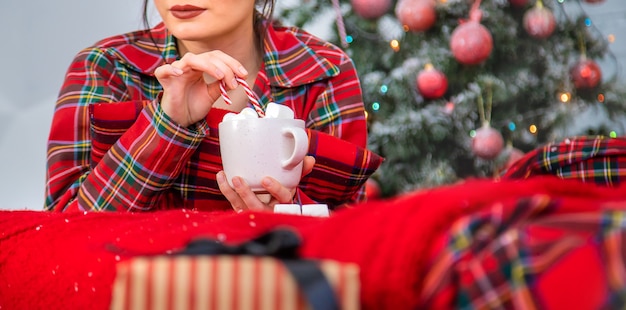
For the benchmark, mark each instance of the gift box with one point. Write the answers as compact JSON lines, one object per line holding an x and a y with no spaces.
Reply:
{"x":225,"y":282}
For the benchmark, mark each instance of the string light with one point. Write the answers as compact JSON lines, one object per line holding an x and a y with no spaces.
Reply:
{"x":449,"y":107}
{"x":395,"y":45}
{"x":588,"y":22}
{"x":349,"y":39}
{"x":384,"y":89}
{"x":512,"y":126}
{"x":601,"y":98}
{"x":565,"y":97}
{"x":472,"y":133}
{"x":532,"y":129}
{"x":613,"y":134}
{"x":375,"y":106}
{"x":611,"y":38}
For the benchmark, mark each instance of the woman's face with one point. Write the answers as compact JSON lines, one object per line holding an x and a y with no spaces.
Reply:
{"x":198,"y":20}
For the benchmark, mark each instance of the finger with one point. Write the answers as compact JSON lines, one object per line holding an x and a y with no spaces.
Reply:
{"x":211,"y":68}
{"x":237,"y":68}
{"x":264,"y":198}
{"x":214,"y":92}
{"x":272,"y":203}
{"x":217,"y":65}
{"x":230,"y":194}
{"x":307,"y":165}
{"x":221,"y":73}
{"x":166,"y":71}
{"x":278,"y":191}
{"x":208,"y":79}
{"x":246,"y":194}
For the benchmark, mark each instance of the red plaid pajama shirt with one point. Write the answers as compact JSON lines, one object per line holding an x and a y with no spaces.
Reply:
{"x":111,"y":147}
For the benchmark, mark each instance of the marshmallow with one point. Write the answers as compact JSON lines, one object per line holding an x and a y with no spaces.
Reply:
{"x":275,"y":110}
{"x":229,"y":117}
{"x":287,"y":208}
{"x":246,"y":113}
{"x":320,"y":210}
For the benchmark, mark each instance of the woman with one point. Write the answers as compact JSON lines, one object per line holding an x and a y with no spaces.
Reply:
{"x":135,"y":124}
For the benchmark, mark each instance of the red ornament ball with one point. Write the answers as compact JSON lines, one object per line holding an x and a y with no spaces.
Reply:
{"x":586,"y":74}
{"x":539,"y":22}
{"x":372,"y":189}
{"x":487,"y":143}
{"x":431,"y":83}
{"x":416,"y":15}
{"x":471,"y":43}
{"x":371,"y":9}
{"x":519,"y":3}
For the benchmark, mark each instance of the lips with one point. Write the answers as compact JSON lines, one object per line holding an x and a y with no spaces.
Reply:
{"x":186,"y":11}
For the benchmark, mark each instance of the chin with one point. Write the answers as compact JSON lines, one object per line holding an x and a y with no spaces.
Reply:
{"x":189,"y":31}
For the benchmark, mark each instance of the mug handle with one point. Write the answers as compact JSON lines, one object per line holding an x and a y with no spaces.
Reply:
{"x":301,"y":147}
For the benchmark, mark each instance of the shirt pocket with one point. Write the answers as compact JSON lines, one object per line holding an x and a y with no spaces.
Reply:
{"x":108,"y":122}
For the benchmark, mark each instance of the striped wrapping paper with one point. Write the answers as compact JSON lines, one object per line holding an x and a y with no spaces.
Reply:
{"x":222,"y":282}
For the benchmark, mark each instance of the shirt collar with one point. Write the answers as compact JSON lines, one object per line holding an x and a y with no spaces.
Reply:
{"x":148,"y":49}
{"x":291,"y":56}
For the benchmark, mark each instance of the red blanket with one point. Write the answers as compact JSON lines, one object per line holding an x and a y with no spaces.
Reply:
{"x":485,"y":243}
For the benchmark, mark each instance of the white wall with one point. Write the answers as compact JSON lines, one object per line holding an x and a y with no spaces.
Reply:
{"x":38,"y":42}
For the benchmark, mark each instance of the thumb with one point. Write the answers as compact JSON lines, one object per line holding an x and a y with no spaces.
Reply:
{"x":307,"y":164}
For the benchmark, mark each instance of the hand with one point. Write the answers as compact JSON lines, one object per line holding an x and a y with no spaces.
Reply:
{"x":242,"y":198}
{"x":187,"y":95}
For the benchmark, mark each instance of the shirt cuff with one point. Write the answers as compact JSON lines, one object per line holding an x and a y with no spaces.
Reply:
{"x":163,"y":122}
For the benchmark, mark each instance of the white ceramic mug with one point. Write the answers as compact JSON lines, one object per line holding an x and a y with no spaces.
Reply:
{"x":254,"y":148}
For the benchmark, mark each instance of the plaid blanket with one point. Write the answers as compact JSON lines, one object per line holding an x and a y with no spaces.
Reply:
{"x":537,"y":243}
{"x":595,"y":159}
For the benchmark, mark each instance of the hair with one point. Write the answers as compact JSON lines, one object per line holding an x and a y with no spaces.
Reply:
{"x":266,"y":12}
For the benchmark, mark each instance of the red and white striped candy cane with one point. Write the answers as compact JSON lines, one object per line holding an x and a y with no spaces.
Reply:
{"x":251,"y":95}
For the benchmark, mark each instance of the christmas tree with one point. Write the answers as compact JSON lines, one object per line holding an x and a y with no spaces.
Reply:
{"x":457,"y":89}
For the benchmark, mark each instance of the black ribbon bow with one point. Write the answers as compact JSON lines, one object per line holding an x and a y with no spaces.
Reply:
{"x":282,"y":244}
